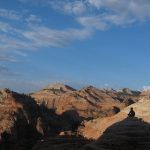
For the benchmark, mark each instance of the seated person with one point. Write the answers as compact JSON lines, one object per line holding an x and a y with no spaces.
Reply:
{"x":131,"y":113}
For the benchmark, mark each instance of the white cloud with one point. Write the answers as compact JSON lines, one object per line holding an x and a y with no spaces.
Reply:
{"x":104,"y":13}
{"x":71,"y":7}
{"x":75,"y":7}
{"x":20,"y":53}
{"x":137,"y":9}
{"x":93,"y":22}
{"x":21,"y":85}
{"x":33,"y":19}
{"x":42,"y":36}
{"x":91,"y":14}
{"x":145,"y":88}
{"x":8,"y":58}
{"x":9,"y":14}
{"x":36,"y":36}
{"x":9,"y":44}
{"x":6,"y":72}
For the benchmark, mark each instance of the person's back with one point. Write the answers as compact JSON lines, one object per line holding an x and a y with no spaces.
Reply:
{"x":131,"y":113}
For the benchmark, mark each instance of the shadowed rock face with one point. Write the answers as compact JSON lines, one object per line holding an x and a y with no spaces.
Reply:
{"x":22,"y":121}
{"x":56,"y":124}
{"x":18,"y":119}
{"x":61,"y":143}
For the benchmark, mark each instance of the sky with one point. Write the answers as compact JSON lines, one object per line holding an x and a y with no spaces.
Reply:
{"x":103,"y":43}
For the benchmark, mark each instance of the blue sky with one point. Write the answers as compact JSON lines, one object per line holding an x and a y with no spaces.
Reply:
{"x":104,"y":43}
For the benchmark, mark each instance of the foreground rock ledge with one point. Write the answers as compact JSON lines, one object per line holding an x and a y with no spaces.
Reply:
{"x":128,"y":134}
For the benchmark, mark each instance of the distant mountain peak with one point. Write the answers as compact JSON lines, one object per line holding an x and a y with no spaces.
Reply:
{"x":59,"y":86}
{"x":89,"y":87}
{"x":129,"y":91}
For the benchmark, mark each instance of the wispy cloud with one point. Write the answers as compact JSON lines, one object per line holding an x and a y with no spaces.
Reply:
{"x":104,"y":13}
{"x":120,"y":12}
{"x":33,"y":19}
{"x":95,"y":22}
{"x":6,"y":72}
{"x":42,"y":36}
{"x":9,"y":14}
{"x":90,"y":14}
{"x":19,"y":85}
{"x":139,"y":9}
{"x":37,"y":36}
{"x":70,"y":7}
{"x":145,"y":88}
{"x":8,"y":58}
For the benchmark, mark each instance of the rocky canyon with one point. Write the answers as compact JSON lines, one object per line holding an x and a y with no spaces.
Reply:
{"x":61,"y":117}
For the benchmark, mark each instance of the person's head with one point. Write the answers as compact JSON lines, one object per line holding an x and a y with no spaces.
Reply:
{"x":131,"y":108}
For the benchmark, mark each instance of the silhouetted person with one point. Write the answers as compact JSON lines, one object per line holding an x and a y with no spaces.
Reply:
{"x":131,"y":113}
